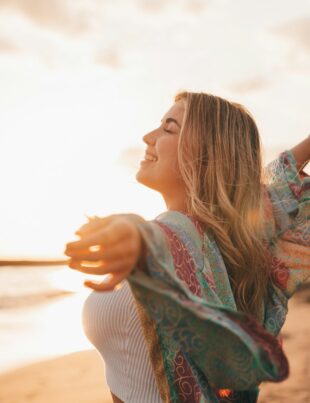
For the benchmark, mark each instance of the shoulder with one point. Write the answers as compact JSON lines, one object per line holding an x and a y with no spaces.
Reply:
{"x":181,"y":224}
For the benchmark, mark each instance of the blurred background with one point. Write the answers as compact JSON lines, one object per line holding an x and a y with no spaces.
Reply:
{"x":81,"y":82}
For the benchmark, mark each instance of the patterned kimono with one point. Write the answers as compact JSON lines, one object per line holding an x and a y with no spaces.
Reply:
{"x":201,"y":348}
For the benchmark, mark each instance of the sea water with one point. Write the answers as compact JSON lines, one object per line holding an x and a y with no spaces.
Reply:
{"x":40,"y":314}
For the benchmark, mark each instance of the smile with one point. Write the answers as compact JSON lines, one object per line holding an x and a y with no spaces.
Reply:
{"x":149,"y":157}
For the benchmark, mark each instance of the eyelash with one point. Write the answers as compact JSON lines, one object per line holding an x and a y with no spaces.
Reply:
{"x":168,"y":131}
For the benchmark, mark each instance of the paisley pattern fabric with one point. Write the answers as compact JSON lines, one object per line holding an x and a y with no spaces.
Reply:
{"x":202,"y":349}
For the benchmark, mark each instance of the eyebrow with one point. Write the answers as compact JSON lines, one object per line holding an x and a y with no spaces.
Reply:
{"x":172,"y":120}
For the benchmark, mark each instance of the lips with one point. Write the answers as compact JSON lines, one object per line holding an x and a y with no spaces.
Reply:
{"x":150,"y":157}
{"x":150,"y":154}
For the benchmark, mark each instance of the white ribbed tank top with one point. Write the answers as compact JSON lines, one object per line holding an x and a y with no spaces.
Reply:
{"x":112,"y":325}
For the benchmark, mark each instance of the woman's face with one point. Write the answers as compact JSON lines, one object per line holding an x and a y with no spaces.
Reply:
{"x":162,"y":173}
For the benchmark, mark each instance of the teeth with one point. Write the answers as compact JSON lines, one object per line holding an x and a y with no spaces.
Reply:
{"x":150,"y":158}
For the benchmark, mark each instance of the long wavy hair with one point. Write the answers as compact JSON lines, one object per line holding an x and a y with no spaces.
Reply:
{"x":220,"y":161}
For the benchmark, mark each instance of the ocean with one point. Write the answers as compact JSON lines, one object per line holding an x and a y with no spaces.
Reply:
{"x":22,"y":286}
{"x":40,"y":314}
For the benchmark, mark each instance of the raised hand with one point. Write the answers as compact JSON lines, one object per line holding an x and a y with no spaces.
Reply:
{"x":301,"y":153}
{"x":109,"y":245}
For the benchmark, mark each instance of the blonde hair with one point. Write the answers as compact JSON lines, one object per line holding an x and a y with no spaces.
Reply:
{"x":219,"y":155}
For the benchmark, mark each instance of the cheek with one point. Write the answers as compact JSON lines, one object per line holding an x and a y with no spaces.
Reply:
{"x":169,"y":165}
{"x":167,"y":152}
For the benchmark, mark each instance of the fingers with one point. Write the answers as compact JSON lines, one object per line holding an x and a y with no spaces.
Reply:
{"x":109,"y":245}
{"x":112,"y":233}
{"x":119,"y":251}
{"x":94,"y":224}
{"x":85,"y":254}
{"x":107,"y":285}
{"x":101,"y":267}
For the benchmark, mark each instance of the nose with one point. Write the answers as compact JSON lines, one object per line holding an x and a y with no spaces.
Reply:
{"x":149,"y":138}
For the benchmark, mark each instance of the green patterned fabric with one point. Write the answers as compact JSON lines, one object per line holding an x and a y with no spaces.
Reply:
{"x":202,"y":349}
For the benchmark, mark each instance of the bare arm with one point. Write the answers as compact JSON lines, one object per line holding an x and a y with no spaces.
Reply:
{"x":301,"y":153}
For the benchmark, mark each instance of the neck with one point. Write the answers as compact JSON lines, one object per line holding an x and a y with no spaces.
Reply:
{"x":176,"y":202}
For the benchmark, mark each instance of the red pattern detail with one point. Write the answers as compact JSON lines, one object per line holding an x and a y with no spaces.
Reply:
{"x":187,"y":389}
{"x":298,"y":236}
{"x":185,"y":384}
{"x":295,"y":189}
{"x":286,"y":161}
{"x":267,"y":212}
{"x":183,"y":262}
{"x":210,"y":280}
{"x":279,"y":272}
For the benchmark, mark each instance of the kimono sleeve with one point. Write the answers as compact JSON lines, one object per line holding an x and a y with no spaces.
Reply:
{"x":289,"y":193}
{"x":288,"y":224}
{"x":222,"y":347}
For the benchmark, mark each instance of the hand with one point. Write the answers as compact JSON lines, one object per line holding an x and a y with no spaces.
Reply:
{"x":109,"y":245}
{"x":301,"y":153}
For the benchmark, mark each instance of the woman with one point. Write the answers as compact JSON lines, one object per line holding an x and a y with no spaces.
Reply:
{"x":205,"y":284}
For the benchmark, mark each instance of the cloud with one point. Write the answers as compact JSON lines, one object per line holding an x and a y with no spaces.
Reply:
{"x":297,"y":34}
{"x":63,"y":15}
{"x":108,"y":57}
{"x":252,"y":84}
{"x":192,"y":6}
{"x":195,"y":6}
{"x":297,"y":31}
{"x":152,"y":5}
{"x":7,"y":46}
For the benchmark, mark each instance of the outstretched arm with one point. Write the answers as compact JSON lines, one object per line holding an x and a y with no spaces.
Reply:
{"x":108,"y":245}
{"x":289,"y":229}
{"x":301,"y":153}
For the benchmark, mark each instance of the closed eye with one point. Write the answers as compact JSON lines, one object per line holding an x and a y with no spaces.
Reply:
{"x":167,"y":130}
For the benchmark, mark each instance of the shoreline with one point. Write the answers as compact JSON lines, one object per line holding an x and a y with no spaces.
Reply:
{"x":41,"y":331}
{"x":35,"y":262}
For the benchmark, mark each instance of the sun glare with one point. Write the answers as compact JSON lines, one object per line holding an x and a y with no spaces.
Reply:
{"x":68,"y":279}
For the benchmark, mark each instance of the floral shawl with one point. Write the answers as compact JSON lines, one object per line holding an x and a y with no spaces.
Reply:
{"x":201,"y":348}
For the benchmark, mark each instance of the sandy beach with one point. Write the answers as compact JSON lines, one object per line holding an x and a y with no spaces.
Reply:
{"x":79,"y":377}
{"x":296,"y":343}
{"x":74,"y":378}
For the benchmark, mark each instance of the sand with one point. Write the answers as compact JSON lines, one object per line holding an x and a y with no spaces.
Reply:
{"x":74,"y":378}
{"x":296,"y":334}
{"x":79,"y":377}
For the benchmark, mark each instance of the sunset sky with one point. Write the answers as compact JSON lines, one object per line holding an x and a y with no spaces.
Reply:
{"x":83,"y":80}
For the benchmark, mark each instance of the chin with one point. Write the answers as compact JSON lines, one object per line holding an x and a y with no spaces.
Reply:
{"x":144,"y":180}
{"x":140,"y":177}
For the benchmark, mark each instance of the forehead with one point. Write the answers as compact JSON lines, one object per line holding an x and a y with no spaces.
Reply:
{"x":176,"y":111}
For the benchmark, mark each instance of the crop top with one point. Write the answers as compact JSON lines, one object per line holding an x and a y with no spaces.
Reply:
{"x":111,"y":323}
